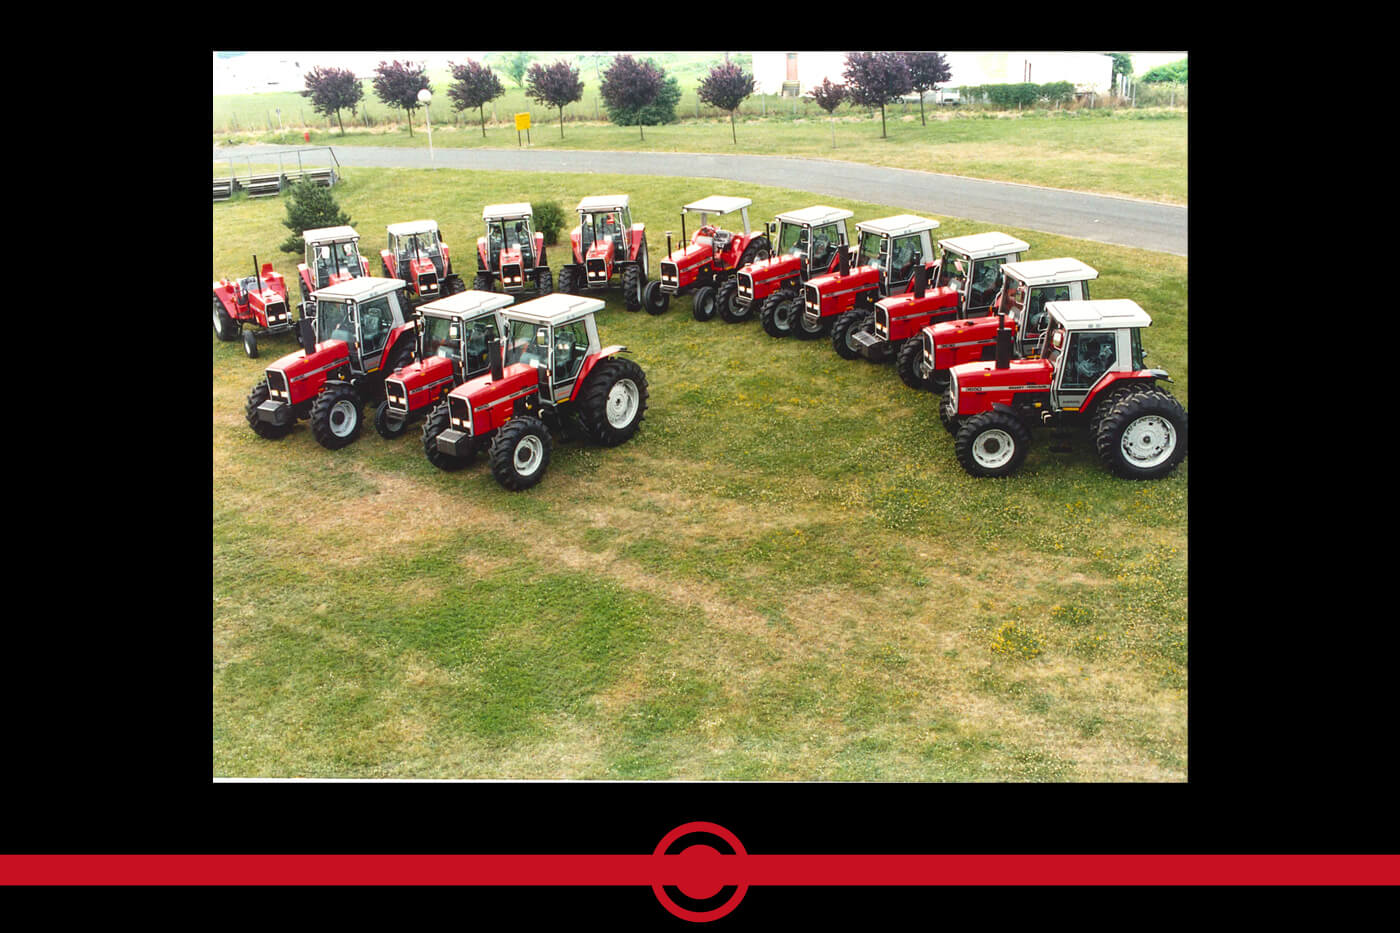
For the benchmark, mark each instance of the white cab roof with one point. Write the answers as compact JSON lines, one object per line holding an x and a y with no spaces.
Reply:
{"x":898,"y":225}
{"x":410,"y":227}
{"x":361,"y":289}
{"x":815,"y":216}
{"x":982,"y":245}
{"x":1050,"y":271}
{"x":555,"y":308}
{"x":1099,"y":314}
{"x":718,"y":204}
{"x":325,"y":234}
{"x":468,"y":302}
{"x":603,"y":202}
{"x":492,"y":211}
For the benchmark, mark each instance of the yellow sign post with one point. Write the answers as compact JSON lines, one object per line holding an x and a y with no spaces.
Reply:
{"x":522,"y":122}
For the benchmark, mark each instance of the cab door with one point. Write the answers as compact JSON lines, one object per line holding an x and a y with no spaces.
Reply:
{"x":375,"y":319}
{"x":568,"y":348}
{"x":1085,"y":357}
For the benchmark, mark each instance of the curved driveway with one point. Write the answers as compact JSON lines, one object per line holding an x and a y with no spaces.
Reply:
{"x":1123,"y":221}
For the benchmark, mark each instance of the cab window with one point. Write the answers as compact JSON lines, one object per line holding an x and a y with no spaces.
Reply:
{"x":1089,"y":356}
{"x":904,"y":255}
{"x":982,"y":287}
{"x":792,"y":240}
{"x":825,"y":241}
{"x":376,"y":321}
{"x":529,"y":343}
{"x":570,"y":349}
{"x":1036,"y":314}
{"x":872,"y":251}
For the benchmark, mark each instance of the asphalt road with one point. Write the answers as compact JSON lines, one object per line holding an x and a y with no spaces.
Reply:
{"x":1123,"y":221}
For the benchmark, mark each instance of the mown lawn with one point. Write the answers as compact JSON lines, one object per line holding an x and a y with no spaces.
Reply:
{"x":1131,"y":153}
{"x":784,"y":576}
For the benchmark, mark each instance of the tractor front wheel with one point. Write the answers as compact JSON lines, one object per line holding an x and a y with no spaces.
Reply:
{"x":993,"y":443}
{"x":911,"y":365}
{"x":948,"y":411}
{"x":336,"y":416}
{"x":1143,"y":436}
{"x":703,"y":303}
{"x":727,"y":302}
{"x":844,"y":330}
{"x":801,"y":328}
{"x":225,"y":327}
{"x":250,"y":344}
{"x":654,"y":299}
{"x":613,"y":401}
{"x":439,"y":420}
{"x":520,"y":452}
{"x":632,"y":289}
{"x":389,"y":423}
{"x":261,"y":428}
{"x":777,"y":313}
{"x":453,"y":285}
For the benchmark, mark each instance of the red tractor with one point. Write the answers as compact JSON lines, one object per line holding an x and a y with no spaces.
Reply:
{"x":809,"y":242}
{"x":332,"y":256}
{"x":965,"y":286}
{"x":607,"y":242}
{"x":511,"y":253}
{"x":552,"y":375}
{"x":1025,"y":290}
{"x":887,"y":253}
{"x":257,"y":300}
{"x":417,"y":255}
{"x":452,"y":337}
{"x":1088,"y":370}
{"x":361,"y":333}
{"x":710,"y":258}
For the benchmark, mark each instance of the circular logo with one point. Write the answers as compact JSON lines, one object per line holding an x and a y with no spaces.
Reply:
{"x":703,"y":890}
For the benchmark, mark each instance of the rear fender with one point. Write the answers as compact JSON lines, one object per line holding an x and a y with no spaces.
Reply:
{"x":227,"y":294}
{"x":1111,"y":380}
{"x":390,"y":262}
{"x":592,"y":361}
{"x":634,"y":251}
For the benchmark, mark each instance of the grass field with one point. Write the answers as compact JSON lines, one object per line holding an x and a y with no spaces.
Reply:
{"x":785,"y":575}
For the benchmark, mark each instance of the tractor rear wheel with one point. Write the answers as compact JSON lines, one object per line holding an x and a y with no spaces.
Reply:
{"x":261,"y":428}
{"x":632,"y":285}
{"x":439,"y":420}
{"x":776,"y":315}
{"x":520,"y":452}
{"x":727,"y":302}
{"x":654,"y":299}
{"x":613,"y":400}
{"x":993,"y":443}
{"x":702,"y":303}
{"x":910,"y":364}
{"x":756,"y":251}
{"x":390,"y":424}
{"x":484,"y":282}
{"x":225,"y":327}
{"x":845,"y":328}
{"x":566,"y":281}
{"x":1143,"y":436}
{"x":453,"y":285}
{"x":544,"y":280}
{"x":948,"y":411}
{"x":1112,"y":397}
{"x":336,"y":416}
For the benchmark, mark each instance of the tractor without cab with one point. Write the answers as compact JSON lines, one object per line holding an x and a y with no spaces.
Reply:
{"x":512,"y":253}
{"x":708,"y":260}
{"x":1089,"y":370}
{"x":257,"y":300}
{"x":808,"y":242}
{"x":607,"y":242}
{"x":1026,"y":287}
{"x":966,"y":284}
{"x":888,"y":251}
{"x":553,"y":376}
{"x":332,"y":256}
{"x":361,"y":333}
{"x":417,"y":255}
{"x":453,"y":334}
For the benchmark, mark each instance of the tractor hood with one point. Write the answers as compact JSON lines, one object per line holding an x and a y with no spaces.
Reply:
{"x":778,"y":267}
{"x":905,"y":304}
{"x":492,"y":402}
{"x":423,"y":381}
{"x":306,"y":373}
{"x":694,"y":253}
{"x":601,"y":249}
{"x":984,"y":377}
{"x":861,"y":275}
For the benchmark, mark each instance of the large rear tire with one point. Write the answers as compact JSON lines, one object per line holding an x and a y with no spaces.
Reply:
{"x":439,"y":420}
{"x":993,"y":443}
{"x":520,"y":452}
{"x":632,"y":288}
{"x":484,"y":282}
{"x":261,"y":428}
{"x":567,"y":281}
{"x":777,"y":313}
{"x":1143,"y":436}
{"x":544,"y":281}
{"x":225,"y":327}
{"x":613,"y":400}
{"x":337,"y":416}
{"x":847,"y":324}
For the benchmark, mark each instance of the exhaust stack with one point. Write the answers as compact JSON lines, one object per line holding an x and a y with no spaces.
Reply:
{"x":1003,"y":360}
{"x":493,"y":352}
{"x":845,"y":266}
{"x":920,"y":280}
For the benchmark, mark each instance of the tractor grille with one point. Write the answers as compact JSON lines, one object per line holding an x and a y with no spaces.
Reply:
{"x":396,"y":394}
{"x":427,"y":284}
{"x":882,"y":323}
{"x":670,"y":277}
{"x":597,"y":272}
{"x":276,"y":312}
{"x":813,"y":313}
{"x":459,"y":413}
{"x":745,"y":287}
{"x":511,"y":276}
{"x":928,"y":348}
{"x":277,"y":385}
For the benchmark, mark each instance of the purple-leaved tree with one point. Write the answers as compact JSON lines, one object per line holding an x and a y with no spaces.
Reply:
{"x":874,"y":79}
{"x":556,"y":86}
{"x":629,"y":84}
{"x":474,"y":85}
{"x":332,"y":90}
{"x":828,"y":97}
{"x":725,"y":87}
{"x":926,"y":71}
{"x":397,"y":84}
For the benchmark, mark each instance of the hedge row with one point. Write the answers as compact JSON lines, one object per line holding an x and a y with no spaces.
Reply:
{"x":1023,"y":95}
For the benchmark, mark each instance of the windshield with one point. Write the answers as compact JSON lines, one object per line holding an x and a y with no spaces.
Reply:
{"x":792,"y":240}
{"x":527,"y":343}
{"x":441,"y":337}
{"x":601,"y":225}
{"x":953,"y":270}
{"x":872,"y":250}
{"x":417,"y":244}
{"x":333,"y":321}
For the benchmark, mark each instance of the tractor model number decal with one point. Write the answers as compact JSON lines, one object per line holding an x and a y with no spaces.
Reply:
{"x":1023,"y":388}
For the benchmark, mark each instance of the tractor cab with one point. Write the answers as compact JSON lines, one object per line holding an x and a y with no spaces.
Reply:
{"x":554,"y":334}
{"x":457,"y":328}
{"x":896,"y":246}
{"x":605,"y":234}
{"x":1086,"y":341}
{"x":814,"y":234}
{"x":972,"y":265}
{"x":1026,"y":289}
{"x":509,"y":245}
{"x":417,"y":255}
{"x":364,"y":313}
{"x":720,"y":241}
{"x":333,"y":255}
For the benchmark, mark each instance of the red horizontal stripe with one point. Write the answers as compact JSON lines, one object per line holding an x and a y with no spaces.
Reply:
{"x":875,"y":870}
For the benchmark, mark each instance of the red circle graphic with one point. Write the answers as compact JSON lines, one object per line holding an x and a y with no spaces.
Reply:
{"x":703,"y":874}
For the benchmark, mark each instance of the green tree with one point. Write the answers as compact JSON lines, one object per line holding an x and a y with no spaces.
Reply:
{"x":515,"y":65}
{"x":310,"y":207}
{"x":1122,"y":66}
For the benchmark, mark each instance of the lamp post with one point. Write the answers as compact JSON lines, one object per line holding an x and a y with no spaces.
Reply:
{"x":425,"y":97}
